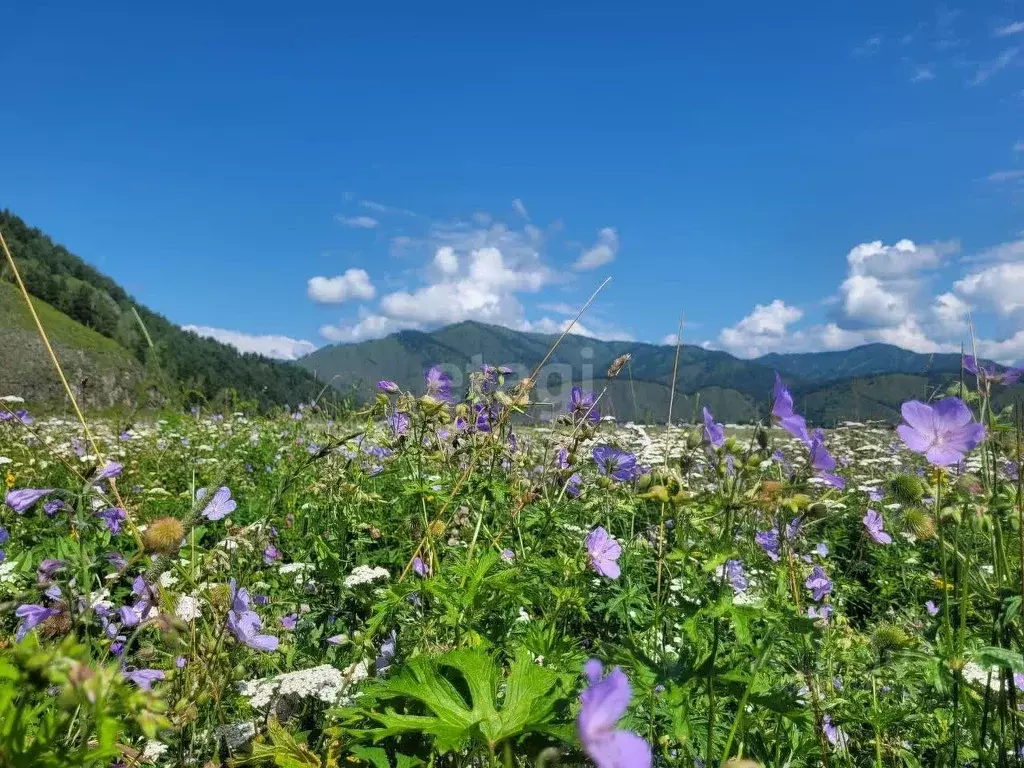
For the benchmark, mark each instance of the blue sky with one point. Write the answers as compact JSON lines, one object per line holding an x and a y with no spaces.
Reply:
{"x":791,"y":178}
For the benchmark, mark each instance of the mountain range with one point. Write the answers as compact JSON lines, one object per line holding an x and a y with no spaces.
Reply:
{"x":118,"y":352}
{"x":867,"y":382}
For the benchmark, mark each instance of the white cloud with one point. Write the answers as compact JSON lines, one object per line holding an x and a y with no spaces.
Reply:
{"x":353,"y":284}
{"x":1008,"y":351}
{"x":475,"y":271}
{"x":999,"y":287}
{"x":922,"y":75}
{"x":381,"y":208}
{"x":520,"y":208}
{"x":867,"y":303}
{"x":369,"y":326}
{"x":1018,"y":146}
{"x":1001,"y":62}
{"x":869,"y":47}
{"x":547,"y":325}
{"x":899,"y":260}
{"x":278,"y":347}
{"x":763,"y":330}
{"x":1012,"y":28}
{"x":446,"y":260}
{"x":1011,"y":175}
{"x":603,"y":251}
{"x":950,"y":313}
{"x":882,"y":299}
{"x":357,"y":222}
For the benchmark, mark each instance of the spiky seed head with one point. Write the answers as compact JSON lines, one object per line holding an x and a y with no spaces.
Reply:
{"x":919,"y":522}
{"x":56,"y":626}
{"x":436,"y":529}
{"x":908,"y":489}
{"x":220,"y":595}
{"x":164,"y":535}
{"x":889,"y":637}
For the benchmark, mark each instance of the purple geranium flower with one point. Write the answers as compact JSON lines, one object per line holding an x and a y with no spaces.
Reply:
{"x":614,"y":463}
{"x":144,"y":678}
{"x":769,"y":542}
{"x":245,"y":624}
{"x":822,"y":462}
{"x":581,"y":406}
{"x":508,"y":555}
{"x":572,"y":485}
{"x":943,"y":432}
{"x":113,"y":517}
{"x":873,"y":522}
{"x":31,"y":615}
{"x":53,"y":506}
{"x":714,"y":433}
{"x":384,"y":385}
{"x":419,"y":567}
{"x":399,"y":423}
{"x":387,"y":653}
{"x":47,"y":569}
{"x":819,"y":612}
{"x":737,"y":577}
{"x":602,"y":705}
{"x":220,"y":506}
{"x":23,"y":500}
{"x":784,"y":416}
{"x":270,"y":554}
{"x":438,"y":383}
{"x":604,"y":553}
{"x":289,"y":621}
{"x":931,"y":607}
{"x":111,"y":470}
{"x":818,"y":583}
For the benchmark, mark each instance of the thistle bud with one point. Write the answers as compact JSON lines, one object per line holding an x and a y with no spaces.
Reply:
{"x":436,"y":529}
{"x":907,"y":489}
{"x":889,"y":637}
{"x":762,"y":438}
{"x":693,"y":440}
{"x":164,"y":535}
{"x":919,"y":522}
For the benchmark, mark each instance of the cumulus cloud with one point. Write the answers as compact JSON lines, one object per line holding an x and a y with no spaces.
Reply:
{"x":476,"y":270}
{"x":867,"y":303}
{"x":602,"y":252}
{"x":353,"y":284}
{"x":762,"y":331}
{"x":887,"y":297}
{"x":277,"y":347}
{"x":369,"y":326}
{"x":446,"y":260}
{"x":1000,"y":287}
{"x":357,"y":222}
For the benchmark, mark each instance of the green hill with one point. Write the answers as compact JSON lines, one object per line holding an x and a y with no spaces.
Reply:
{"x":187,"y":366}
{"x":100,"y":371}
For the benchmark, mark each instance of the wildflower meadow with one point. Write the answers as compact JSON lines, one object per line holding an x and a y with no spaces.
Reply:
{"x":442,"y":579}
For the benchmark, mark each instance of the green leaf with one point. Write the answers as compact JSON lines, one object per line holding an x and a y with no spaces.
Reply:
{"x":992,"y":656}
{"x":434,"y":682}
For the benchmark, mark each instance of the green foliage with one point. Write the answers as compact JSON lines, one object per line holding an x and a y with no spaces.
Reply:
{"x":60,"y":710}
{"x":459,"y":695}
